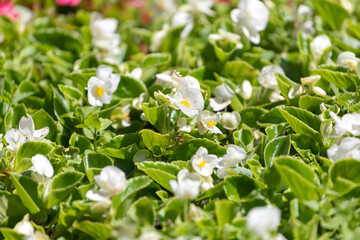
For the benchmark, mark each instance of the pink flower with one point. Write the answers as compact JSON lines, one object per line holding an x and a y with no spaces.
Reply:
{"x":71,"y":3}
{"x":7,"y":9}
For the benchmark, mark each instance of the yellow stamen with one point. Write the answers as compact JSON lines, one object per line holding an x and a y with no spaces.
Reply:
{"x":186,"y":103}
{"x":161,"y":4}
{"x":211,"y":123}
{"x":202,"y":164}
{"x":127,"y":116}
{"x":99,"y":91}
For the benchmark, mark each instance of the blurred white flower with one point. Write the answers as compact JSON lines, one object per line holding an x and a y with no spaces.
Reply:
{"x":136,"y":103}
{"x":223,"y":96}
{"x":275,"y":96}
{"x":349,"y":123}
{"x":207,"y":122}
{"x":42,"y":165}
{"x":230,"y":121}
{"x":180,"y":82}
{"x":26,"y":229}
{"x":166,"y":5}
{"x":101,"y":198}
{"x":187,"y":187}
{"x":25,"y":15}
{"x":204,"y":163}
{"x":1,"y":144}
{"x":150,"y":236}
{"x":348,"y":60}
{"x":104,"y":37}
{"x":304,"y":15}
{"x":246,"y":89}
{"x":27,"y":128}
{"x":252,"y":16}
{"x":158,"y":37}
{"x":295,"y":91}
{"x":304,"y":11}
{"x":201,"y":6}
{"x":181,"y":18}
{"x":136,"y":73}
{"x":311,"y":81}
{"x":15,"y":139}
{"x":319,"y":45}
{"x":234,"y":155}
{"x":164,"y":79}
{"x":349,"y":147}
{"x":181,"y":123}
{"x":111,"y":180}
{"x":102,"y":86}
{"x":227,"y":36}
{"x":267,"y":76}
{"x":262,"y":220}
{"x":189,"y":100}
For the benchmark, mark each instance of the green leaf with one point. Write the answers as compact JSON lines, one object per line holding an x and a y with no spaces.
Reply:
{"x":244,"y":138}
{"x":225,"y":211}
{"x":160,"y":172}
{"x":238,"y":187}
{"x":186,"y":150}
{"x":304,"y":145}
{"x":302,"y":121}
{"x":43,"y":119}
{"x":60,"y":38}
{"x":298,"y":176}
{"x":81,"y":77}
{"x":344,"y":175}
{"x":61,"y":186}
{"x":11,"y":234}
{"x":158,"y":117}
{"x":126,"y":153}
{"x":332,"y":13}
{"x":97,"y":230}
{"x":156,"y":60}
{"x":27,"y":190}
{"x":155,"y":142}
{"x":276,"y":147}
{"x":11,"y":205}
{"x":13,"y":116}
{"x":94,"y":162}
{"x":271,"y":117}
{"x":250,"y":115}
{"x":339,"y":79}
{"x":215,"y":192}
{"x":26,"y":152}
{"x":143,"y":212}
{"x":312,"y":103}
{"x":129,"y":87}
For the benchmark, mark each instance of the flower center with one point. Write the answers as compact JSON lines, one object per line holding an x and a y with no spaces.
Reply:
{"x":99,"y":91}
{"x":186,"y":103}
{"x":127,"y":116}
{"x":211,"y":124}
{"x":202,"y":164}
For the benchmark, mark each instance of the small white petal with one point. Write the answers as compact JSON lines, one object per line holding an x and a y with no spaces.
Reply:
{"x":42,"y":165}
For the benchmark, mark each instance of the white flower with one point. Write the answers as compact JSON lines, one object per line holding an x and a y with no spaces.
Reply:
{"x":42,"y":165}
{"x":348,"y":60}
{"x":246,"y":89}
{"x":183,"y":19}
{"x":202,"y":6}
{"x":206,"y":183}
{"x":311,"y":81}
{"x":25,"y":228}
{"x":105,"y":38}
{"x":166,"y":5}
{"x":349,"y":147}
{"x":207,"y":122}
{"x":27,"y":128}
{"x":158,"y":37}
{"x":295,"y":91}
{"x":189,"y":100}
{"x":15,"y":139}
{"x":230,"y":121}
{"x":262,"y":220}
{"x":149,"y":236}
{"x":252,"y":16}
{"x":203,"y":163}
{"x":112,"y":180}
{"x":136,"y":73}
{"x":101,"y":87}
{"x":267,"y":76}
{"x":319,"y":45}
{"x":25,"y":15}
{"x":181,"y":123}
{"x":304,"y":14}
{"x":101,"y":198}
{"x":180,"y":82}
{"x":223,"y":96}
{"x":136,"y":103}
{"x":164,"y":79}
{"x":227,"y":36}
{"x":349,"y":123}
{"x":187,"y":186}
{"x":304,"y":11}
{"x":234,"y":155}
{"x":276,"y":96}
